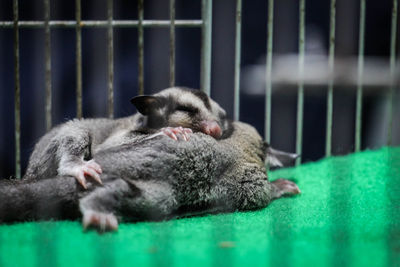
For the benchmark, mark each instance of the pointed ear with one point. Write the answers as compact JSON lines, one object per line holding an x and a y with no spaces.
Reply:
{"x":146,"y":104}
{"x":277,"y":159}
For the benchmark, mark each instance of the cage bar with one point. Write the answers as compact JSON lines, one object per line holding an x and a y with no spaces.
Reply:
{"x":360,"y":77}
{"x":393,"y":35}
{"x":110,"y":49}
{"x":238,"y":39}
{"x":17,"y":94}
{"x":47,"y":63}
{"x":140,"y":48}
{"x":172,"y":43}
{"x":103,"y":23}
{"x":268,"y":92}
{"x":206,"y":11}
{"x":331,"y":65}
{"x":78,"y":58}
{"x":300,"y":96}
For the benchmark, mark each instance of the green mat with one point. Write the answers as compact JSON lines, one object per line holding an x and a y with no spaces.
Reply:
{"x":347,"y":215}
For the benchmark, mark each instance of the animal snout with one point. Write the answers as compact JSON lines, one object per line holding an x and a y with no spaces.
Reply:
{"x":211,"y":128}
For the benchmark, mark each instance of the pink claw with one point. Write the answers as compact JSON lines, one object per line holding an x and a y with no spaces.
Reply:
{"x":177,"y":133}
{"x":168,"y":132}
{"x":99,"y":220}
{"x":86,"y":169}
{"x":285,"y":187}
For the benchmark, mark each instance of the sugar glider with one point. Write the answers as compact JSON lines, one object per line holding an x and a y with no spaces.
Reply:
{"x":153,"y":177}
{"x":68,"y":149}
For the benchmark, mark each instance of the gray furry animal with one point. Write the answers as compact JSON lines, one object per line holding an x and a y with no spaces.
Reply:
{"x":153,"y":177}
{"x":68,"y":149}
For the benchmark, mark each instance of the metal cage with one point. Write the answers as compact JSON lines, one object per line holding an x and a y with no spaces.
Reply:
{"x":205,"y":23}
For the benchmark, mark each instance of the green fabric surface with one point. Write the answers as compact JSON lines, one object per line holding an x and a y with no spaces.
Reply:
{"x":347,"y":215}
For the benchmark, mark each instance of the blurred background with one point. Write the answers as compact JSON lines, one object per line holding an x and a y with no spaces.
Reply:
{"x":188,"y":46}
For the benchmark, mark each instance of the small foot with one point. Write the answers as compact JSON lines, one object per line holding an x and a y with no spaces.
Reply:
{"x":285,"y":187}
{"x":100,"y":221}
{"x":177,"y":133}
{"x":79,"y":171}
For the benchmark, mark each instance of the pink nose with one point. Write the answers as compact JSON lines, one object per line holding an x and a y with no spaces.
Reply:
{"x":211,"y":128}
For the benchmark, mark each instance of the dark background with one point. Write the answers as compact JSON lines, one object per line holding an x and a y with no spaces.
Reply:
{"x":254,"y":29}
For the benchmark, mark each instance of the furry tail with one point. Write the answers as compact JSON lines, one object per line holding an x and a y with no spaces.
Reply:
{"x":25,"y":200}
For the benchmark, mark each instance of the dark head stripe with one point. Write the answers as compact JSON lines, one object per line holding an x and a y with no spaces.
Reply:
{"x":201,"y":95}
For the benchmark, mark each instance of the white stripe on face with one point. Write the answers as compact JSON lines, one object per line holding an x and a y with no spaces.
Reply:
{"x":187,"y":98}
{"x":207,"y":109}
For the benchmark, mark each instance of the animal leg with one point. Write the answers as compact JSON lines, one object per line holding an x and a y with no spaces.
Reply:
{"x":283,"y":187}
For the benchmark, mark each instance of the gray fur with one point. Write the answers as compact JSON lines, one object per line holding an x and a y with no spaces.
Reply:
{"x":154,"y":178}
{"x":179,"y":106}
{"x":74,"y":142}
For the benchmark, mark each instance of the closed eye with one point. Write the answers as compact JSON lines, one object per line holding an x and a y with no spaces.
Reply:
{"x":186,"y":109}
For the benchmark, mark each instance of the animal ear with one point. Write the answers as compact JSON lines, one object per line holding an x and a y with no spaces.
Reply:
{"x":146,"y":104}
{"x":277,"y":159}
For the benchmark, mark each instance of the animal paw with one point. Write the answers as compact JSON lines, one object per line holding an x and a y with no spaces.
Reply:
{"x":285,"y":187}
{"x":177,"y":133}
{"x":81,"y":170}
{"x":101,"y":221}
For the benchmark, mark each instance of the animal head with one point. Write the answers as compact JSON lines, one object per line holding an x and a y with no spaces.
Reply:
{"x":178,"y":106}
